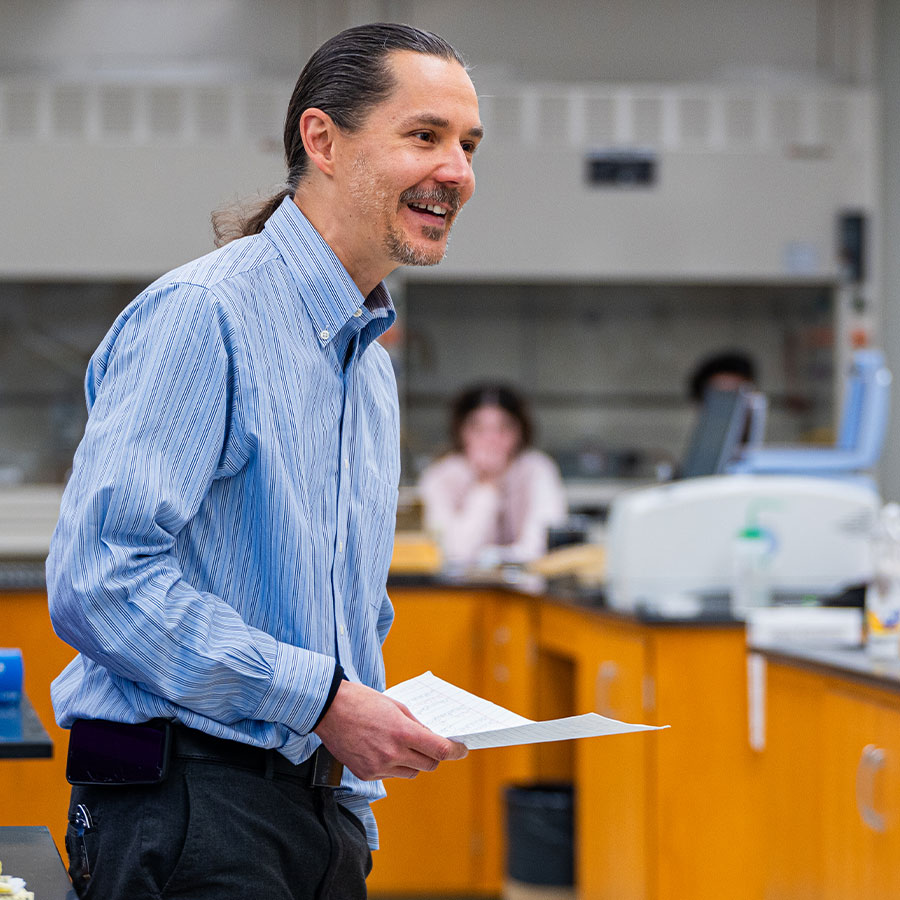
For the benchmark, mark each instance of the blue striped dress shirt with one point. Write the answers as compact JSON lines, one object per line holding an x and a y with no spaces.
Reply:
{"x":227,"y":529}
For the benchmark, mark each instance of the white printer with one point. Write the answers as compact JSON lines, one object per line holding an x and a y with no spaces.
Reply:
{"x":669,"y":547}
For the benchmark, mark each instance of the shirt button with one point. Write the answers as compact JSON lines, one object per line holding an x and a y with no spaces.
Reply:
{"x":341,"y":629}
{"x":358,"y":313}
{"x":340,"y":546}
{"x":324,"y":335}
{"x":346,"y":463}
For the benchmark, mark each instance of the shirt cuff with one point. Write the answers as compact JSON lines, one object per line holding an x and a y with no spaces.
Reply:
{"x":299,"y":687}
{"x":332,"y":693}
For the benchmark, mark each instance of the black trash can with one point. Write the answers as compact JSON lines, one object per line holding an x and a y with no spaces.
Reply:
{"x":540,"y":846}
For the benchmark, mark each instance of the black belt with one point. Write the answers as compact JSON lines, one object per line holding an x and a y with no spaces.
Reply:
{"x":319,"y":770}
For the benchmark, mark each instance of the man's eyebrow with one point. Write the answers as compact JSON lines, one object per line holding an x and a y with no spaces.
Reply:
{"x":438,"y":122}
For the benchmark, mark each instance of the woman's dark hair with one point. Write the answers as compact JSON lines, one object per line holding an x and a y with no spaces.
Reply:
{"x":345,"y":77}
{"x":732,"y":362}
{"x":490,"y":395}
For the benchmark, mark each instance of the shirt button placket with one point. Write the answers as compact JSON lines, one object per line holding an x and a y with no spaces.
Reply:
{"x":345,"y":495}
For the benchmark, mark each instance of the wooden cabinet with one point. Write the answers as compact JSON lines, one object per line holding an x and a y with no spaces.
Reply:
{"x":442,"y":832}
{"x":670,"y":814}
{"x":861,"y":794}
{"x":508,"y":629}
{"x":611,"y":773}
{"x":425,"y":821}
{"x":833,"y":785}
{"x":793,"y":764}
{"x":709,"y":791}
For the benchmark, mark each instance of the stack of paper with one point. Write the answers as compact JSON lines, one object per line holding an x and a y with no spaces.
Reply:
{"x":454,"y":713}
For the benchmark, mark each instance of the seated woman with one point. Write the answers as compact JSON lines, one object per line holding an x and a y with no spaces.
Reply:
{"x":493,"y":498}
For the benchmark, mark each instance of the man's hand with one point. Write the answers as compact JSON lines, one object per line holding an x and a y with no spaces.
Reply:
{"x":376,"y":737}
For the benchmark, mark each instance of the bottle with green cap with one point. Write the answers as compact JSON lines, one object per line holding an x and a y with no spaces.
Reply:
{"x":753,"y":550}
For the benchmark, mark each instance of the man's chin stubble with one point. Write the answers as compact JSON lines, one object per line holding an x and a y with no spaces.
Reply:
{"x":406,"y":254}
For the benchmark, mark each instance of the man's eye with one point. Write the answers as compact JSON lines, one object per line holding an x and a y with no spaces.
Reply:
{"x":424,"y":135}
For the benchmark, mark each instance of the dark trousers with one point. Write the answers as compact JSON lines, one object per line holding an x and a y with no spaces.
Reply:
{"x":215,"y":832}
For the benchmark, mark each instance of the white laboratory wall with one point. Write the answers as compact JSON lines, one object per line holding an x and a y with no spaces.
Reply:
{"x":656,"y":40}
{"x":749,"y":182}
{"x":108,"y":38}
{"x":567,"y":40}
{"x":107,"y":212}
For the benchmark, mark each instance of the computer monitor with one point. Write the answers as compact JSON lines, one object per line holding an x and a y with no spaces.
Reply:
{"x":718,"y":434}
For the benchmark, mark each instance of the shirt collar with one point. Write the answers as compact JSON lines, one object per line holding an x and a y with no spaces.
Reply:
{"x":329,"y":293}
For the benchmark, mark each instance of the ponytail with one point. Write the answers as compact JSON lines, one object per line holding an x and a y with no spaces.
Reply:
{"x":245,"y":218}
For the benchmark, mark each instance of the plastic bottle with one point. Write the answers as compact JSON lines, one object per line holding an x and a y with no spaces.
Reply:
{"x":883,"y":592}
{"x":752,"y":556}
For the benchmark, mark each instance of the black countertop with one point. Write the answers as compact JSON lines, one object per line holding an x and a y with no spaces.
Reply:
{"x":28,"y":851}
{"x":711,"y":611}
{"x":854,"y":662}
{"x":22,"y":574}
{"x":22,"y":736}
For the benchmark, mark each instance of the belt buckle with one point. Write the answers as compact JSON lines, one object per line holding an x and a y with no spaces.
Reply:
{"x":326,"y":770}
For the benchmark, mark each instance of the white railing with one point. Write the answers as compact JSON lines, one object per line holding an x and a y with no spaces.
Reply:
{"x":686,"y":118}
{"x":142,"y":114}
{"x":812,"y":120}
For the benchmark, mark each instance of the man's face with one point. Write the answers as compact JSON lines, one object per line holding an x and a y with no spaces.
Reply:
{"x":410,"y":165}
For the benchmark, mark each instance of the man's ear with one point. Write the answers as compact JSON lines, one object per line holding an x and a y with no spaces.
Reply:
{"x":318,"y":131}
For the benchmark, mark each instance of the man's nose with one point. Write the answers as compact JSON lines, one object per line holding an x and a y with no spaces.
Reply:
{"x":456,"y":169}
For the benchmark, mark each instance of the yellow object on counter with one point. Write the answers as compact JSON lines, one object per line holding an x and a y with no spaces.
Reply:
{"x":13,"y":888}
{"x":586,"y":562}
{"x":415,"y":553}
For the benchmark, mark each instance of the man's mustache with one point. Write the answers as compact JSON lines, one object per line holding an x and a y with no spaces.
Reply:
{"x":436,"y":197}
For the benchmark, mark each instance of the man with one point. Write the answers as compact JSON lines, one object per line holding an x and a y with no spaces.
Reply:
{"x":223,"y":544}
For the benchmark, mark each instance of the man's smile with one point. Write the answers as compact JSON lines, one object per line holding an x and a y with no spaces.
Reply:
{"x":436,"y":207}
{"x":432,"y":208}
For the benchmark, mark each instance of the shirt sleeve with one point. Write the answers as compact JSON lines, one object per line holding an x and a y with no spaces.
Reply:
{"x":160,"y":432}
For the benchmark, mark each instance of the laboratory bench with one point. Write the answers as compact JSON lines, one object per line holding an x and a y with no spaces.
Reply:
{"x":34,"y":791}
{"x":644,"y":802}
{"x":30,"y":853}
{"x":702,"y":809}
{"x":22,"y":734}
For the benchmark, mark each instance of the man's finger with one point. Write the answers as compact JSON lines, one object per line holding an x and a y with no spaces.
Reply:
{"x":438,"y":748}
{"x":401,"y":772}
{"x":457,"y":750}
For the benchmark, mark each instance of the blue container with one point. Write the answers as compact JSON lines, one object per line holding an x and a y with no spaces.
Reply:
{"x":10,"y":675}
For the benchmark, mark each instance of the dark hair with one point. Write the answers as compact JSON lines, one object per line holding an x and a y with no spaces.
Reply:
{"x":487,"y":394}
{"x":347,"y":76}
{"x":731,"y":362}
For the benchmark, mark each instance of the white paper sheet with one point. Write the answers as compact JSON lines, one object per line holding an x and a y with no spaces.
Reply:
{"x":452,"y":712}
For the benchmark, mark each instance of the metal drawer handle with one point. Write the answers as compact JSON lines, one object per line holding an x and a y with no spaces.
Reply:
{"x":871,"y":760}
